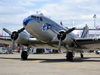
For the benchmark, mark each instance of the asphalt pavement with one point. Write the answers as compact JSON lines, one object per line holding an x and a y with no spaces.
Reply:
{"x":49,"y":64}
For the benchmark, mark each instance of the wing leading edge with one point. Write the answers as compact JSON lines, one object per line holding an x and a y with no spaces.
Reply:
{"x":35,"y":43}
{"x":88,"y":43}
{"x":5,"y":40}
{"x":52,"y":45}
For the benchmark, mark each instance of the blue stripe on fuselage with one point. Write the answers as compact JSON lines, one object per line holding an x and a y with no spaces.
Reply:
{"x":26,"y":20}
{"x":55,"y":27}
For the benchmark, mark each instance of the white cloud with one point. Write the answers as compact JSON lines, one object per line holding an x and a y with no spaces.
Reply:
{"x":34,"y":0}
{"x":12,"y":12}
{"x":26,"y":3}
{"x":78,"y":10}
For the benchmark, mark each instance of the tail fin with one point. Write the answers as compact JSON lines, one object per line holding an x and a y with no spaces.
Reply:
{"x":85,"y":32}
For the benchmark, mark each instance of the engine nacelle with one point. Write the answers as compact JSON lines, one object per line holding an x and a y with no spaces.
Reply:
{"x":23,"y":38}
{"x":68,"y":40}
{"x":60,"y":35}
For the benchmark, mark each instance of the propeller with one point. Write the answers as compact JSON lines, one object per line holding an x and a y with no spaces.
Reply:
{"x":14,"y":35}
{"x":59,"y":46}
{"x":7,"y":31}
{"x":62,"y":35}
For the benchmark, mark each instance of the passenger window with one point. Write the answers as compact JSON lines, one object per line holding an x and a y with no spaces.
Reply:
{"x":41,"y":19}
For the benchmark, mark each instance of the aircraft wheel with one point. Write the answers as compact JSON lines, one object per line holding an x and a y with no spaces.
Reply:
{"x":18,"y":51}
{"x":81,"y":55}
{"x":97,"y":52}
{"x":70,"y":56}
{"x":24,"y":55}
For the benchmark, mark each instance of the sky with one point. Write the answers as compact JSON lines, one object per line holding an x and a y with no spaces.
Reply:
{"x":77,"y":12}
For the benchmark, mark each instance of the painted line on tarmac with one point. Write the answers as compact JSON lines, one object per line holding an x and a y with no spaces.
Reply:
{"x":6,"y":57}
{"x":69,"y":65}
{"x":75,"y":66}
{"x":62,"y":64}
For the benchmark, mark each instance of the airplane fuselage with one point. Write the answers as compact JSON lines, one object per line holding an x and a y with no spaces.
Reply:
{"x":37,"y":26}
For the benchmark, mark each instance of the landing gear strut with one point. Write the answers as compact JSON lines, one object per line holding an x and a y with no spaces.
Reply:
{"x":19,"y":46}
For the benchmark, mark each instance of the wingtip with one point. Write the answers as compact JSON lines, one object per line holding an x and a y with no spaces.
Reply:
{"x":74,"y":27}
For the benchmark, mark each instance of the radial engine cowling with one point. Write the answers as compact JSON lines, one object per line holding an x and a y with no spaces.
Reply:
{"x":21,"y":38}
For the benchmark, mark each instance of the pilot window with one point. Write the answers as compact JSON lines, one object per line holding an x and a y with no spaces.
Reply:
{"x":37,"y":17}
{"x":33,"y":16}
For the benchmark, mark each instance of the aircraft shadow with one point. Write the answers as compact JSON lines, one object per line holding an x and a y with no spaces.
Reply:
{"x":76,"y":59}
{"x":86,"y":59}
{"x":10,"y":58}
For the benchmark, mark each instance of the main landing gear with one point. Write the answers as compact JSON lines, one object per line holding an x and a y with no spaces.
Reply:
{"x":25,"y":53}
{"x":69,"y":55}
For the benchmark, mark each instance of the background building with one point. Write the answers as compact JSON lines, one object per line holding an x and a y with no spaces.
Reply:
{"x":92,"y":33}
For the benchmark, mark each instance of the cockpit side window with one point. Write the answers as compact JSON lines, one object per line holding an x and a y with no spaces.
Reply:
{"x":37,"y":17}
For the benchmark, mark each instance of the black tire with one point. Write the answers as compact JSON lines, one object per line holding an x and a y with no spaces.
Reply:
{"x":81,"y":55}
{"x":69,"y":56}
{"x":18,"y":51}
{"x":97,"y":52}
{"x":24,"y":55}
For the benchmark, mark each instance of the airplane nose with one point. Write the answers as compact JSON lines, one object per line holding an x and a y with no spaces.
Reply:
{"x":26,"y":21}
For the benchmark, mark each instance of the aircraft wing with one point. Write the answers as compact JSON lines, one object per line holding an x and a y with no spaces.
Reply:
{"x":5,"y":40}
{"x":88,"y":43}
{"x":35,"y":43}
{"x":52,"y":45}
{"x":85,"y":43}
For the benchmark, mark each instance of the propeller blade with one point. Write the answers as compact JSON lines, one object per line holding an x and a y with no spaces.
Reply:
{"x":59,"y":46}
{"x":13,"y":44}
{"x":7,"y":31}
{"x":14,"y":35}
{"x":70,"y":30}
{"x":19,"y":31}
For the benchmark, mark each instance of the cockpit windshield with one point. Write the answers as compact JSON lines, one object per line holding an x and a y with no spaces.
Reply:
{"x":33,"y":16}
{"x":37,"y":17}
